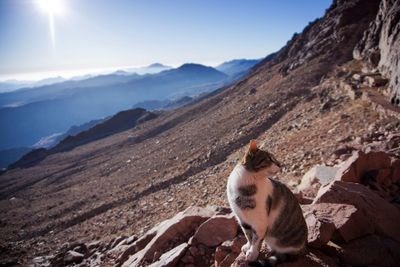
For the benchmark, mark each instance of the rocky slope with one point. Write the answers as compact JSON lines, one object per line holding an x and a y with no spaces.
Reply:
{"x":352,"y":221}
{"x":379,"y":48}
{"x":311,"y":104}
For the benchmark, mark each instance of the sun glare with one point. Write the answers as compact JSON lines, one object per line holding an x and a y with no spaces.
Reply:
{"x":51,"y":7}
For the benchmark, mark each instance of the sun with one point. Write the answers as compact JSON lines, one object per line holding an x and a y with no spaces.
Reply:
{"x":51,"y":7}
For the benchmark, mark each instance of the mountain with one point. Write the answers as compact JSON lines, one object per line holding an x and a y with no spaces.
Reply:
{"x":151,"y":69}
{"x":237,"y":66}
{"x":9,"y":156}
{"x":313,"y":103}
{"x":56,"y":91}
{"x":53,"y":109}
{"x":12,"y":85}
{"x":119,"y":122}
{"x":54,"y":139}
{"x":158,"y":65}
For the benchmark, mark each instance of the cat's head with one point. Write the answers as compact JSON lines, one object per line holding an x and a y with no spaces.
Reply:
{"x":258,"y":160}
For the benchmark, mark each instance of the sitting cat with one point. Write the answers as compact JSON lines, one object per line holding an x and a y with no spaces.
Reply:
{"x":265,"y":208}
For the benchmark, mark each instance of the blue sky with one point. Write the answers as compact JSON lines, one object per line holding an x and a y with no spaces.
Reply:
{"x":93,"y":34}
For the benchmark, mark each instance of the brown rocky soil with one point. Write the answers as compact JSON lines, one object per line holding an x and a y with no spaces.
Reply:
{"x":306,"y":105}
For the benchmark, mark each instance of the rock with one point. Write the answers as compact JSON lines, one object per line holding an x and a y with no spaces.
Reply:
{"x":360,"y":163}
{"x":350,"y":90}
{"x":73,"y":257}
{"x":368,"y":251}
{"x":383,"y":216}
{"x":318,"y":174}
{"x":228,"y":251}
{"x":379,"y":49}
{"x":131,"y":239}
{"x":313,"y":258}
{"x":171,"y":231}
{"x":94,"y":245}
{"x":341,"y":222}
{"x":228,"y":260}
{"x":319,"y":232}
{"x":373,"y":81}
{"x":125,"y":251}
{"x":216,"y":230}
{"x":117,"y":241}
{"x":171,"y":258}
{"x":221,"y":252}
{"x":356,"y":77}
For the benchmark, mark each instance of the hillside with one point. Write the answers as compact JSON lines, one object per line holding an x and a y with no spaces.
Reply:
{"x":310,"y":104}
{"x":121,"y":121}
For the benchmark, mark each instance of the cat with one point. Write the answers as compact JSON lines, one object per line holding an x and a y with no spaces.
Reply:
{"x":265,"y":208}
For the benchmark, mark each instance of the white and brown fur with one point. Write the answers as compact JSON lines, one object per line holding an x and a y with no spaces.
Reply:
{"x":265,"y":208}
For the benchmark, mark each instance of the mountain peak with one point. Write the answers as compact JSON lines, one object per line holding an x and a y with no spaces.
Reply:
{"x":157,"y":65}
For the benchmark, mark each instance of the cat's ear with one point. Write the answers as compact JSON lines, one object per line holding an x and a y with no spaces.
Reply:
{"x":253,"y":146}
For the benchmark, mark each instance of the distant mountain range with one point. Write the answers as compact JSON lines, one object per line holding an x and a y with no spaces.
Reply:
{"x":34,"y":113}
{"x":12,"y":85}
{"x":237,"y":67}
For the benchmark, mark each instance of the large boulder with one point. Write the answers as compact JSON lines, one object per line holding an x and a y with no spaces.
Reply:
{"x":341,"y":222}
{"x":377,"y":170}
{"x":383,"y":216}
{"x":361,"y":163}
{"x":170,"y":233}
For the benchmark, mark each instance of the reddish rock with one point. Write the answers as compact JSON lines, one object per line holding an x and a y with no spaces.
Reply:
{"x":395,"y":164}
{"x":171,"y":258}
{"x":175,"y":230}
{"x":227,"y":252}
{"x":313,"y":258}
{"x":348,"y":222}
{"x":360,"y":163}
{"x":367,"y":251}
{"x":228,"y":260}
{"x":319,"y":232}
{"x":216,"y":230}
{"x":383,"y":216}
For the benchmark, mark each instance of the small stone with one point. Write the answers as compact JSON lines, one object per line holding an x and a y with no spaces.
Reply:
{"x":73,"y":257}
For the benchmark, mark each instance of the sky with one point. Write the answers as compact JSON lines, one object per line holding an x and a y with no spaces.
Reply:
{"x":115,"y":34}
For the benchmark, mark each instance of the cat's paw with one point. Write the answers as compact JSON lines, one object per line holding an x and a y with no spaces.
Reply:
{"x":252,"y":254}
{"x":245,"y":247}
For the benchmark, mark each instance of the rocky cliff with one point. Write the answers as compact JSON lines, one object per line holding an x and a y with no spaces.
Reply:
{"x":379,"y":49}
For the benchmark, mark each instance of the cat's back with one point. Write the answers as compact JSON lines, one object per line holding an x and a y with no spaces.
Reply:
{"x":289,"y":229}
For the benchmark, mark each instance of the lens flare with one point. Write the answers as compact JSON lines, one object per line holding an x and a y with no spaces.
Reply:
{"x":52,"y":8}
